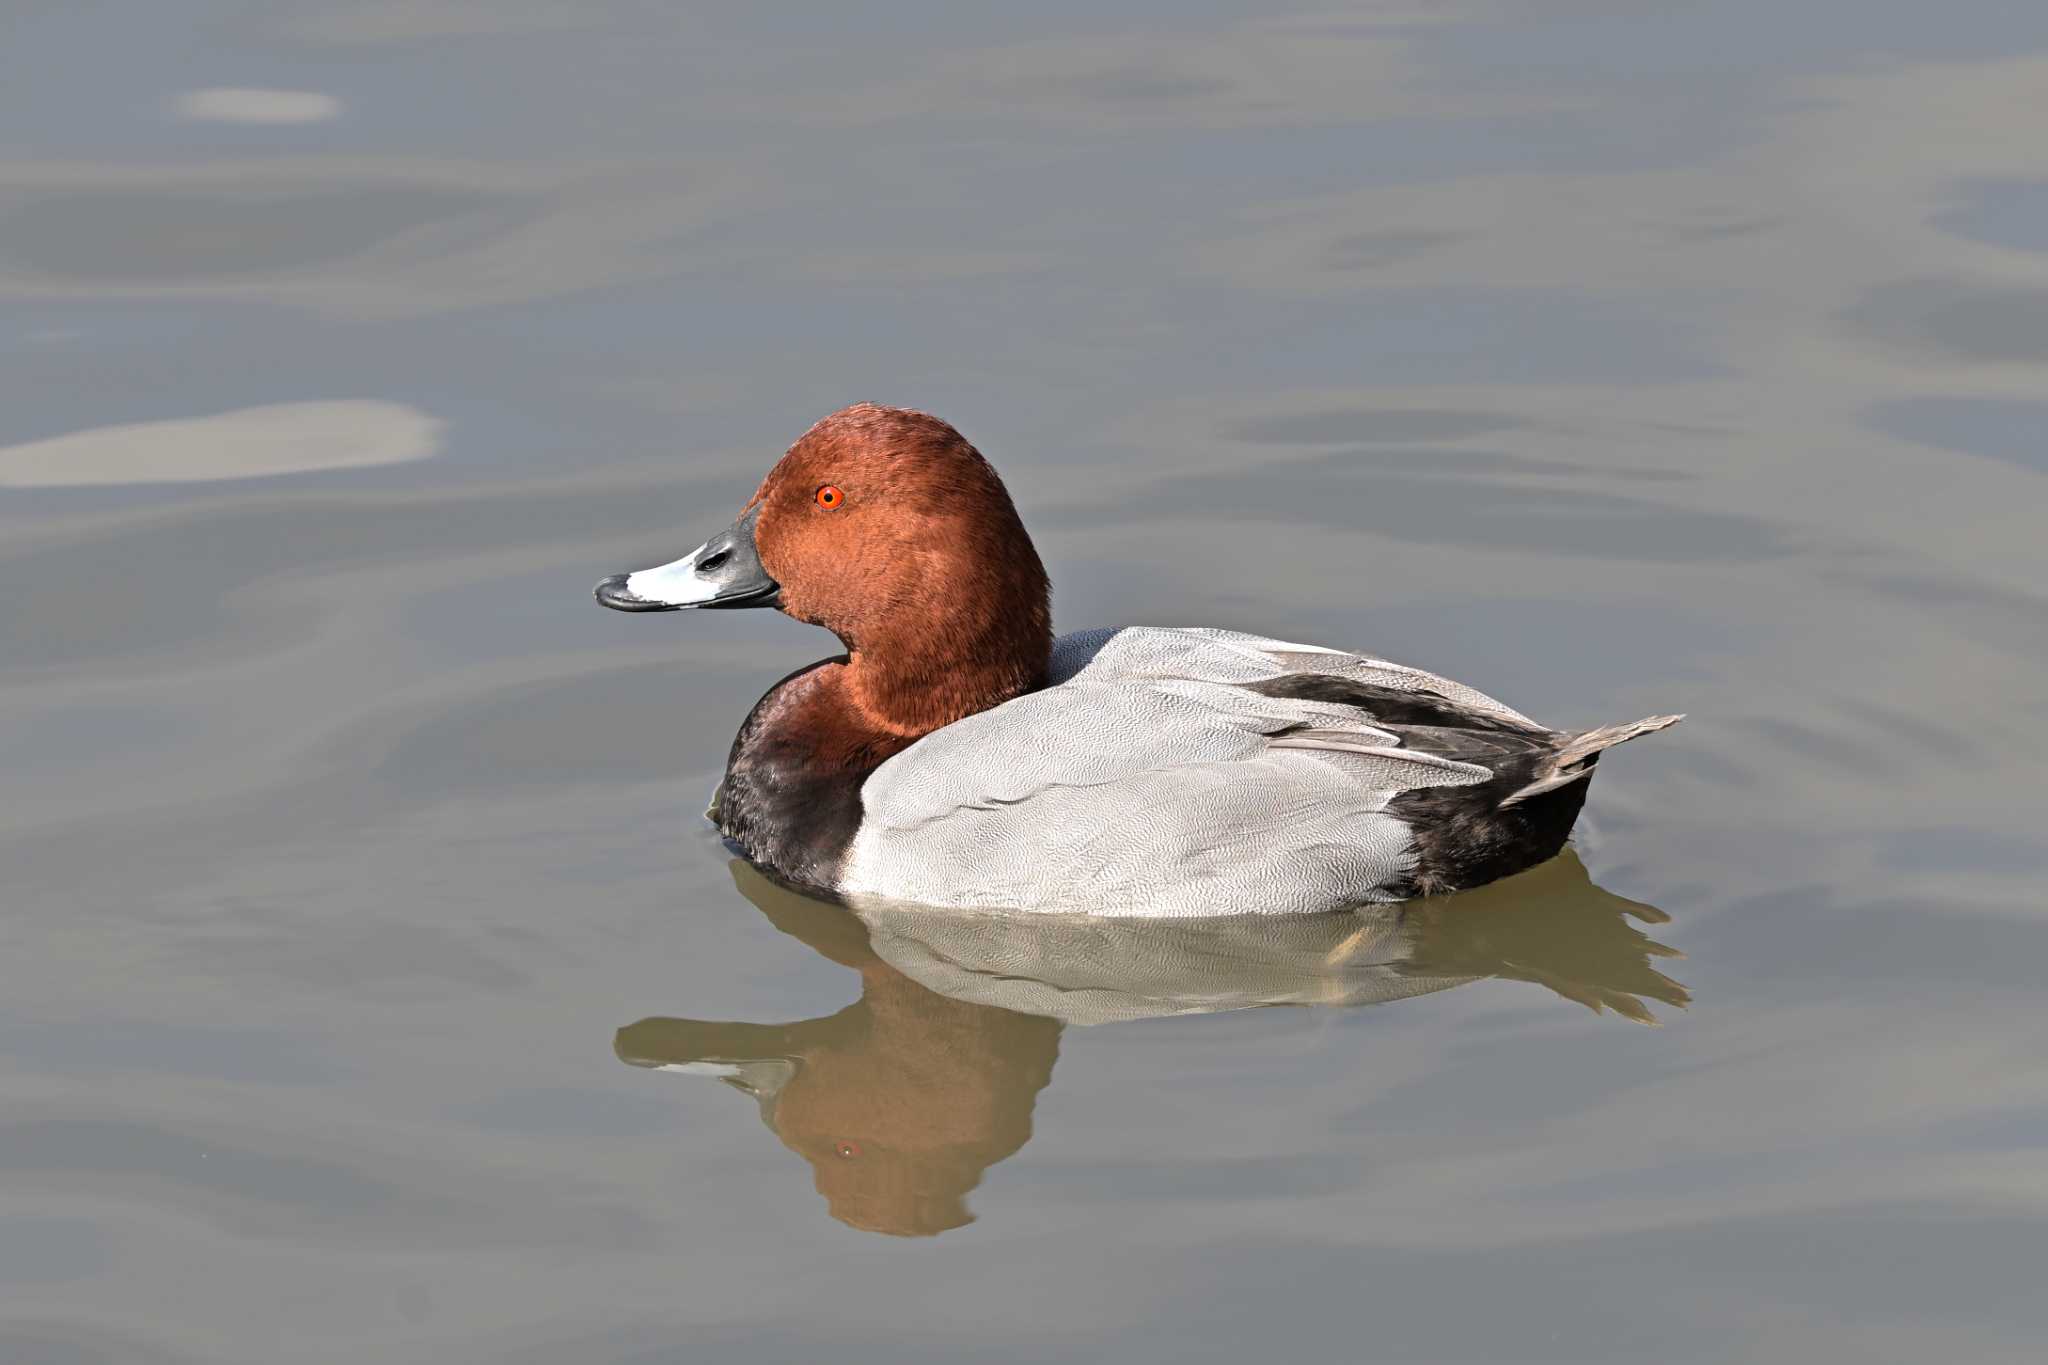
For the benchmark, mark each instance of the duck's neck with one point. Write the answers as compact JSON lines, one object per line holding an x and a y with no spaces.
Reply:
{"x":908,"y":687}
{"x":791,"y":796}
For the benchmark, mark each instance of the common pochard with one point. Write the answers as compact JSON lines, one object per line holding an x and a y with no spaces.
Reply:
{"x":960,"y":755}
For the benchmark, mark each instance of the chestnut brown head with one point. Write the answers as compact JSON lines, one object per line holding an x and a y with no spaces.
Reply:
{"x":887,"y":528}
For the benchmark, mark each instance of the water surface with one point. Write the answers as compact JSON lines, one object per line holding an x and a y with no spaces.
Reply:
{"x":1615,"y":358}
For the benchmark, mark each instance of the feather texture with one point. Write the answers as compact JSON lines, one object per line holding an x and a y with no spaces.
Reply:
{"x":1152,"y":777}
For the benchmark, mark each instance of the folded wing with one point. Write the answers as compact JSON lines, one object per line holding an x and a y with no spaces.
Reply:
{"x":1178,"y":771}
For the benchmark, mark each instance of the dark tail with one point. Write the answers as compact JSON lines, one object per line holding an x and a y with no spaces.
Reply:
{"x":1573,"y":760}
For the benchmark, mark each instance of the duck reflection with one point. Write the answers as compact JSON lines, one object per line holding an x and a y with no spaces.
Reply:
{"x":901,"y":1100}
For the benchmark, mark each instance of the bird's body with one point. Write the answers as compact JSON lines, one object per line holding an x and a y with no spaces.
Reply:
{"x":959,"y":756}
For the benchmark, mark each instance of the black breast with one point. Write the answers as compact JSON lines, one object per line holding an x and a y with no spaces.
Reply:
{"x":790,"y":801}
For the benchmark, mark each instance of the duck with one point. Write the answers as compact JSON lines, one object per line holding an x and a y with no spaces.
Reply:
{"x":960,"y":755}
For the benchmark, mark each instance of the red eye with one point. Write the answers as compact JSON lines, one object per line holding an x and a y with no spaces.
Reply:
{"x":847,"y":1149}
{"x":830,"y":497}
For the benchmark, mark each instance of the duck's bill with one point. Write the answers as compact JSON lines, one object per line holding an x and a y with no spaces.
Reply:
{"x":757,"y":1058}
{"x":725,"y":571}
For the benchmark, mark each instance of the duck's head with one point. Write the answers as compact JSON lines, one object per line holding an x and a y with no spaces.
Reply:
{"x":887,"y":528}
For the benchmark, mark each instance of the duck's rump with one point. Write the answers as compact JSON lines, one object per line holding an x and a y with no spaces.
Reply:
{"x":1202,"y":772}
{"x":1466,"y":836}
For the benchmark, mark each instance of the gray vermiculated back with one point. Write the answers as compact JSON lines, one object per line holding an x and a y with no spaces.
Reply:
{"x":1144,"y":781}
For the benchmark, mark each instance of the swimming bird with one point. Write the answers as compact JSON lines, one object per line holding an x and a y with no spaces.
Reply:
{"x":958,"y":754}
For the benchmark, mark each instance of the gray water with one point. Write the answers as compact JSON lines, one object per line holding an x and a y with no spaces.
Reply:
{"x":1616,"y":358}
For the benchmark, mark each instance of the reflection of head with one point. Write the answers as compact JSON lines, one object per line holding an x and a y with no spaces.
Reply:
{"x":900,"y":1115}
{"x":899,"y":1101}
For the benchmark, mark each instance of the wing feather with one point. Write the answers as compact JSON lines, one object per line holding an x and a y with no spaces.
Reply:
{"x":1154,"y":772}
